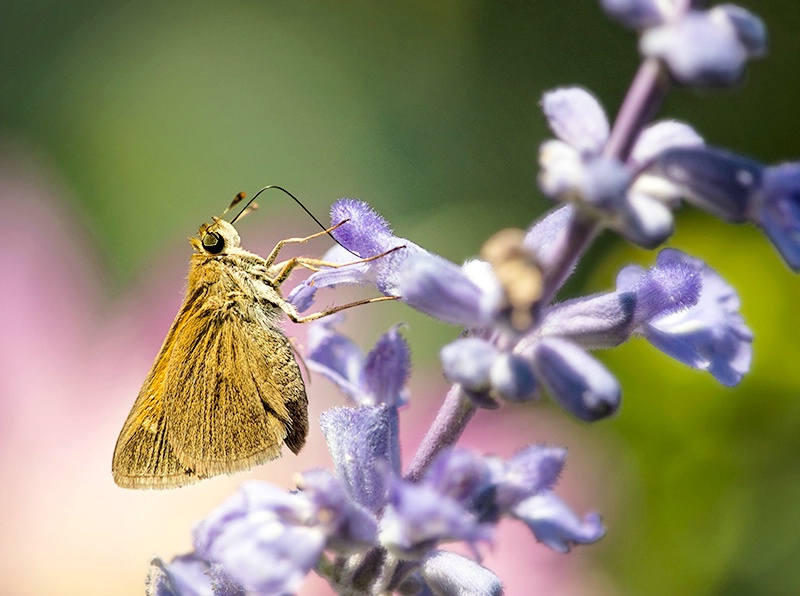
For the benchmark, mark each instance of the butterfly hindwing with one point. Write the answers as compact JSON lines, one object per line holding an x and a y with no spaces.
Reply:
{"x":229,"y":402}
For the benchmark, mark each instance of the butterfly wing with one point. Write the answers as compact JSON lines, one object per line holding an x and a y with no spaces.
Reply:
{"x":233,"y":391}
{"x":143,"y":456}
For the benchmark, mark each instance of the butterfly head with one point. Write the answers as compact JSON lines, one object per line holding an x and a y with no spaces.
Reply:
{"x":216,"y":238}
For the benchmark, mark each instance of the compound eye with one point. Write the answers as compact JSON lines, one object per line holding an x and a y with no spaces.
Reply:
{"x":213,"y":243}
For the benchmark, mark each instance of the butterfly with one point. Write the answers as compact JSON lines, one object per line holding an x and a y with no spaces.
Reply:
{"x":225,"y":391}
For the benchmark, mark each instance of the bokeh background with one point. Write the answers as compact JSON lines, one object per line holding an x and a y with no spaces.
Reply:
{"x":123,"y":126}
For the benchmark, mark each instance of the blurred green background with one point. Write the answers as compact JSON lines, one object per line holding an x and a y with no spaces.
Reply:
{"x":154,"y":114}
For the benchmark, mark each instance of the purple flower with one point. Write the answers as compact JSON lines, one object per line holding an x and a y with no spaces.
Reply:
{"x":574,"y":169}
{"x":680,"y":305}
{"x":710,"y":335}
{"x":365,"y":234}
{"x":265,"y":538}
{"x":467,"y":296}
{"x":418,"y":517}
{"x":375,"y":378}
{"x":700,"y":47}
{"x":707,"y":47}
{"x":737,"y":188}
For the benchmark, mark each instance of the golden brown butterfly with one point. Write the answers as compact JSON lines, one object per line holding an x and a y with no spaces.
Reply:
{"x":225,"y":391}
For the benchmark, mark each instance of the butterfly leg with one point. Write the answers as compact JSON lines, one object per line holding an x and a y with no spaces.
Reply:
{"x":286,"y":268}
{"x":274,"y":254}
{"x":293,"y":315}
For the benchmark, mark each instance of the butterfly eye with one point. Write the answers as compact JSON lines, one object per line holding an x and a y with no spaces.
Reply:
{"x":213,"y":243}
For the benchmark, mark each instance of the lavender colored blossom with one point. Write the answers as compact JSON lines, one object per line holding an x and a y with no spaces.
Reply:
{"x":576,"y":380}
{"x":264,"y":537}
{"x":574,"y":168}
{"x":700,"y":47}
{"x":710,"y":335}
{"x":368,"y":379}
{"x":363,"y":444}
{"x":707,"y":47}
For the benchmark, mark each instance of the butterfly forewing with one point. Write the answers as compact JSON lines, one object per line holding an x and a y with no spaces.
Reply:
{"x":143,"y":456}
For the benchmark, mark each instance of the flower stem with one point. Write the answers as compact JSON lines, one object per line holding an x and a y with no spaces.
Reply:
{"x":642,"y":102}
{"x":456,"y":411}
{"x":578,"y":234}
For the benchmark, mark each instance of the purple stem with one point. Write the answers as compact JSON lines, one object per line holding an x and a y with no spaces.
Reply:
{"x":456,"y":411}
{"x":642,"y":102}
{"x":578,"y":234}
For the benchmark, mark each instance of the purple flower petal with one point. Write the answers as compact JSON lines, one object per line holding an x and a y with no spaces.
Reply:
{"x":529,"y":472}
{"x":468,"y":361}
{"x":336,"y":357}
{"x":576,"y":117}
{"x":672,"y":285}
{"x":465,"y":477}
{"x":223,"y":584}
{"x":718,"y":181}
{"x":387,"y":369}
{"x":598,"y":321}
{"x":661,"y":136}
{"x":364,"y":446}
{"x":643,"y":220}
{"x":513,"y":378}
{"x":365,"y":233}
{"x":777,"y":210}
{"x":444,"y":291}
{"x":418,"y":517}
{"x":350,"y":527}
{"x":449,"y":573}
{"x":711,"y":335}
{"x":750,"y":29}
{"x":576,"y":380}
{"x":547,"y":235}
{"x":264,"y":537}
{"x":555,"y":525}
{"x":702,"y":48}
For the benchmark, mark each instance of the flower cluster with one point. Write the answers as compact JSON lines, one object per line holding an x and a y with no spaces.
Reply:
{"x":370,"y":526}
{"x":381,"y":530}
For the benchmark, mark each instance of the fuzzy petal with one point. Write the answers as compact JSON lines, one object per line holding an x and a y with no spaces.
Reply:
{"x":387,"y":369}
{"x":336,"y":357}
{"x":450,"y":574}
{"x":720,"y":182}
{"x":263,"y":536}
{"x":699,"y":49}
{"x":442,"y":290}
{"x":711,"y":335}
{"x":363,"y":444}
{"x":468,"y":361}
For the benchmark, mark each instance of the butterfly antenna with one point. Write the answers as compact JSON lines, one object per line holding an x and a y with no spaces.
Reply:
{"x":241,"y":196}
